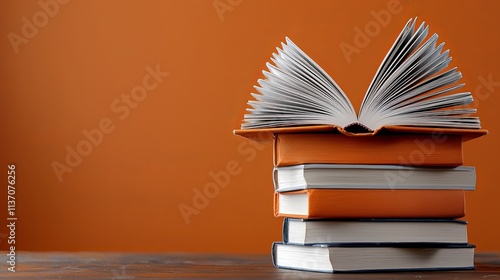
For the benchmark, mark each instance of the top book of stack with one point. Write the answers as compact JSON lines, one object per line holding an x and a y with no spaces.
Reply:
{"x":414,"y":92}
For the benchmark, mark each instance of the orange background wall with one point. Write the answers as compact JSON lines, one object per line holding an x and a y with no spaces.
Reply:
{"x":158,"y":152}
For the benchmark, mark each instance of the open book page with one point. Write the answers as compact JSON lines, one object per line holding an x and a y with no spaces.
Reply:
{"x":297,"y":91}
{"x":402,"y":47}
{"x":412,"y":87}
{"x":414,"y":90}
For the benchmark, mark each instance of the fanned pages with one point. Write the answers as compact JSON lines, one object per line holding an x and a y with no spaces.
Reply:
{"x":414,"y":86}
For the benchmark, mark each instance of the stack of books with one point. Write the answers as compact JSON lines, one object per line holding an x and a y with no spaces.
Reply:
{"x":344,"y":212}
{"x":380,"y":191}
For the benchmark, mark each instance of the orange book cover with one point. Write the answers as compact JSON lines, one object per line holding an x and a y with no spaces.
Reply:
{"x":403,"y":149}
{"x":267,"y":134}
{"x":330,"y":203}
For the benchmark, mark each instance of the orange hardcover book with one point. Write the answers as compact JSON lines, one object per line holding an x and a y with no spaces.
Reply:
{"x":267,"y":134}
{"x":403,"y":149}
{"x":353,"y":204}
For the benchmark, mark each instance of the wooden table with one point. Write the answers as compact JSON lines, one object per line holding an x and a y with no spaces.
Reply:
{"x":53,"y":265}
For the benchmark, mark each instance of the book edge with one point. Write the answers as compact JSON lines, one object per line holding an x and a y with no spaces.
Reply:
{"x":267,"y":134}
{"x":275,"y":262}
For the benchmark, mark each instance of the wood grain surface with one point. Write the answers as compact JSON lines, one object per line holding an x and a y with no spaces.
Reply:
{"x":54,"y":265}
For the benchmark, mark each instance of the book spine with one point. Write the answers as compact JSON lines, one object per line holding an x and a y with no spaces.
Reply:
{"x":448,"y":204}
{"x":285,"y":230}
{"x":273,"y":254}
{"x":356,"y":204}
{"x":412,"y":150}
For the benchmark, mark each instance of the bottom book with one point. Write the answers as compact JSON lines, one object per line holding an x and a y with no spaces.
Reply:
{"x":366,"y":258}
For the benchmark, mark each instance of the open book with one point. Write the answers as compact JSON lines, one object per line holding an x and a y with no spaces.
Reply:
{"x":414,"y":86}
